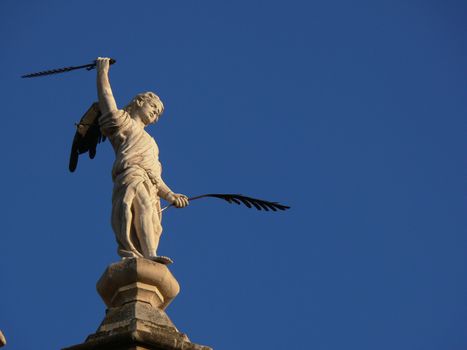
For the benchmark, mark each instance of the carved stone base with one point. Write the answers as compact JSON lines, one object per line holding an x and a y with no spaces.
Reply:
{"x":136,"y":292}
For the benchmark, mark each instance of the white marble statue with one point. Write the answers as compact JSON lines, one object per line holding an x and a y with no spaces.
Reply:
{"x":136,"y":173}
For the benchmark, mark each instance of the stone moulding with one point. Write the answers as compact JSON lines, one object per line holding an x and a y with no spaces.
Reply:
{"x":138,"y":279}
{"x":136,"y":292}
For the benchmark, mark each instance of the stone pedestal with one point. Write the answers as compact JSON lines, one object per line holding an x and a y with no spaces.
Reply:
{"x":136,"y":292}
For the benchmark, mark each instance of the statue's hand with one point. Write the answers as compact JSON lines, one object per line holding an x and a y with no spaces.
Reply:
{"x":102,"y":64}
{"x":178,"y":200}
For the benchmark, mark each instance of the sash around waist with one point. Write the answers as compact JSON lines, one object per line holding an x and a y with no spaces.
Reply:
{"x":132,"y":175}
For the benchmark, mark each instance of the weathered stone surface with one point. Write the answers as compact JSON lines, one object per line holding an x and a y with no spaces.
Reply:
{"x":118,"y":317}
{"x":139,"y":334}
{"x":136,"y":292}
{"x":138,"y":279}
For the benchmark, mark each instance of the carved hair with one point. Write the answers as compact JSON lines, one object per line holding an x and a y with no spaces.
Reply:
{"x":139,"y":99}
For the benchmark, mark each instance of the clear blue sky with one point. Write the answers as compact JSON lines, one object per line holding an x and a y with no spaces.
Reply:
{"x":352,"y":112}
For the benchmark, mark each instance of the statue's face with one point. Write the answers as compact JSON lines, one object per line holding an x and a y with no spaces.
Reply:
{"x":150,"y":111}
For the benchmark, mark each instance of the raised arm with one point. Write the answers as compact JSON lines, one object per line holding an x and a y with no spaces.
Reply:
{"x":104,"y":91}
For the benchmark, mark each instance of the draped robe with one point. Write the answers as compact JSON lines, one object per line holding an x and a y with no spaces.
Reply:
{"x":136,"y":174}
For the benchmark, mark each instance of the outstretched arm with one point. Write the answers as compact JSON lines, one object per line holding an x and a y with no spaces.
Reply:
{"x":104,"y":91}
{"x":163,"y":191}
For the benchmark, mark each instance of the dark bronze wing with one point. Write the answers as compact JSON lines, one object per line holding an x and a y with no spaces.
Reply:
{"x":87,"y":136}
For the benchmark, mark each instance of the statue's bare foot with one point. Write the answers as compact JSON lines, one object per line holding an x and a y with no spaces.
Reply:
{"x":162,"y":260}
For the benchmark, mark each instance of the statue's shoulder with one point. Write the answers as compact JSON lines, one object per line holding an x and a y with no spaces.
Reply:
{"x":115,"y":112}
{"x":116,"y":122}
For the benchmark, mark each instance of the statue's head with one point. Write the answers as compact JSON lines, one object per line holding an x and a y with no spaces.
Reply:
{"x":147,"y":106}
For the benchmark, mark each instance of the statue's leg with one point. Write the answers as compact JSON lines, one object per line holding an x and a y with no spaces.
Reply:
{"x":156,"y":220}
{"x":147,"y":229}
{"x":122,"y":219}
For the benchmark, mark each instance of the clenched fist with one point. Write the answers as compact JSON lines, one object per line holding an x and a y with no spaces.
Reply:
{"x":102,"y":64}
{"x":178,"y":200}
